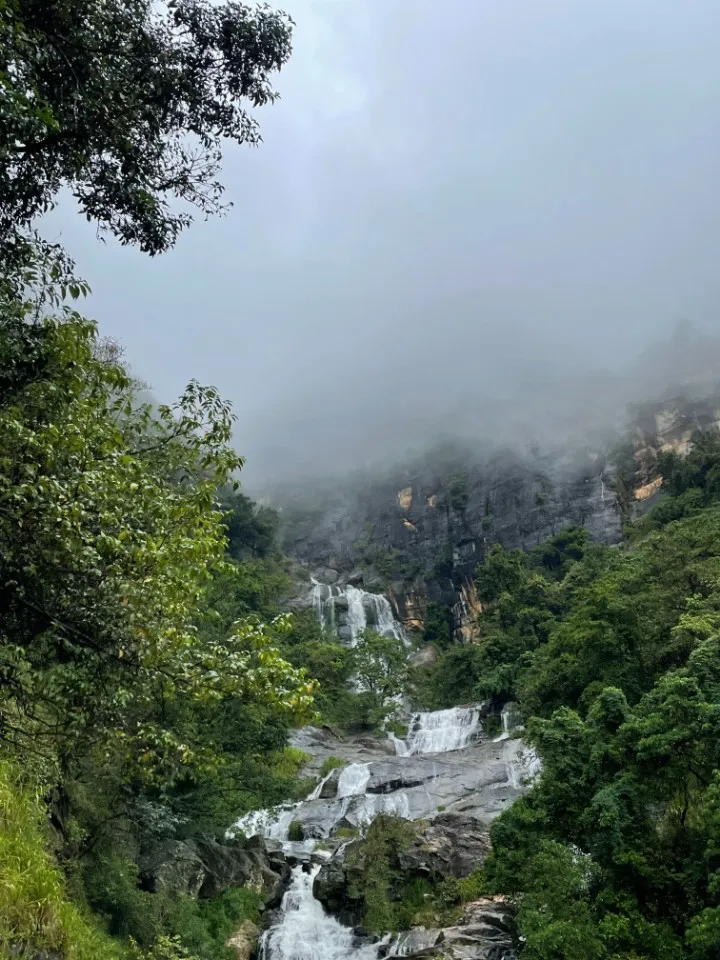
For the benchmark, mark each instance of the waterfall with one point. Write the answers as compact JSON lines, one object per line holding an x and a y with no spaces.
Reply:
{"x":353,"y":780}
{"x":364,"y":610}
{"x":440,"y":731}
{"x":510,"y":717}
{"x":301,"y":929}
{"x":356,"y":617}
{"x":272,"y":824}
{"x":304,"y":931}
{"x":323,"y":603}
{"x":373,"y":804}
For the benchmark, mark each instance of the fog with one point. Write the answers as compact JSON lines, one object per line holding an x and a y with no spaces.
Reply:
{"x":471,"y":215}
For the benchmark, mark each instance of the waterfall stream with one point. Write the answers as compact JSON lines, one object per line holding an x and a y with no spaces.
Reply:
{"x":440,"y":731}
{"x":444,"y":760}
{"x":360,"y":609}
{"x":306,"y":932}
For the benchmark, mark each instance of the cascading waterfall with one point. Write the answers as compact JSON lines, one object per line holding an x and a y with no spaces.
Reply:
{"x":440,"y":731}
{"x":306,"y":932}
{"x":353,"y":780}
{"x":302,"y":930}
{"x":364,"y":610}
{"x":510,"y":718}
{"x":272,"y":824}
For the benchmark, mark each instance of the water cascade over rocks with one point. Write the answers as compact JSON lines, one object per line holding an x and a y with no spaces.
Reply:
{"x":307,"y":932}
{"x":440,"y":731}
{"x":446,"y":771}
{"x":348,"y":610}
{"x":446,"y":767}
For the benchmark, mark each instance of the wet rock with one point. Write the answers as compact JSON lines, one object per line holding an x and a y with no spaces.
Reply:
{"x":244,"y":941}
{"x":205,"y":868}
{"x":483,"y":933}
{"x":479,"y":782}
{"x":330,"y":885}
{"x":453,"y":845}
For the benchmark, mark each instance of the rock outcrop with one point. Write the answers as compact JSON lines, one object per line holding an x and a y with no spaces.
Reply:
{"x":453,"y":845}
{"x":418,"y":532}
{"x":205,"y":868}
{"x":482,"y":933}
{"x":420,"y":541}
{"x":480,"y":781}
{"x":244,"y":940}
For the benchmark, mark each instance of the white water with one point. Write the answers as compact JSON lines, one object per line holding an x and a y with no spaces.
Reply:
{"x":440,"y":731}
{"x":524,"y":769}
{"x":353,"y":780}
{"x":373,"y":804}
{"x":302,"y":929}
{"x":363,"y":610}
{"x":272,"y":824}
{"x":306,"y":932}
{"x":510,"y":717}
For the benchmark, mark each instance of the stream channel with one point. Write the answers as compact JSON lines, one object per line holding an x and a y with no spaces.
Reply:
{"x":446,"y":765}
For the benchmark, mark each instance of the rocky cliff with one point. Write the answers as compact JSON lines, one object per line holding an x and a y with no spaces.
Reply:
{"x":417,"y":532}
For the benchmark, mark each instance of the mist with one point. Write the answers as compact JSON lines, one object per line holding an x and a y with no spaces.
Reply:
{"x":467,"y":218}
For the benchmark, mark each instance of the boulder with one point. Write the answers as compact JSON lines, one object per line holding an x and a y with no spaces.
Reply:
{"x":425,"y":656}
{"x":244,"y":941}
{"x":205,"y":868}
{"x":482,"y":933}
{"x":453,"y":845}
{"x":330,"y":885}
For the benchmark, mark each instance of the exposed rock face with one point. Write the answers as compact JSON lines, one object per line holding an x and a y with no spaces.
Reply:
{"x":453,"y":845}
{"x":244,"y":941}
{"x":483,"y":933}
{"x":480,"y":781}
{"x":421,"y":540}
{"x":418,"y":533}
{"x":205,"y":868}
{"x":666,"y":427}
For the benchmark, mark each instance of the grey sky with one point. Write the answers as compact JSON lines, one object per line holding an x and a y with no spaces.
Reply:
{"x":452,"y":198}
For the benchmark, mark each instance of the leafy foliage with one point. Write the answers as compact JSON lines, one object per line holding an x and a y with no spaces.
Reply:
{"x":128,"y":103}
{"x":380,"y":671}
{"x":153,"y":713}
{"x":615,"y":658}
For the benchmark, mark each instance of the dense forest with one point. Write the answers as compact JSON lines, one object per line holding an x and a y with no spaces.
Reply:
{"x":150,"y":673}
{"x":613,"y":656}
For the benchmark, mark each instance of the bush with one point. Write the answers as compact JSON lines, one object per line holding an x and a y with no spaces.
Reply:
{"x":331,"y":763}
{"x":34,"y":911}
{"x":295,"y":831}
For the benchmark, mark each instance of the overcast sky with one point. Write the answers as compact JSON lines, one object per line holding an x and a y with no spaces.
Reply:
{"x":452,"y":198}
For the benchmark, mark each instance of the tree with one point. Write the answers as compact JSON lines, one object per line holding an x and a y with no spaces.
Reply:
{"x":109,"y":537}
{"x":380,"y":671}
{"x":128,"y":102}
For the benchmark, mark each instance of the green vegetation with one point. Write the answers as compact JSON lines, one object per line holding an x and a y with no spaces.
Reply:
{"x":379,"y":668}
{"x":390,"y":897}
{"x":144,"y":695}
{"x":33,"y":903}
{"x":331,"y":763}
{"x":295,"y":831}
{"x":614,"y":657}
{"x":438,"y":625}
{"x":148,"y":712}
{"x":102,"y":97}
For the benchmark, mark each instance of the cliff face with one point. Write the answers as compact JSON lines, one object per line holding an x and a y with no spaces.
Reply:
{"x":418,"y":532}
